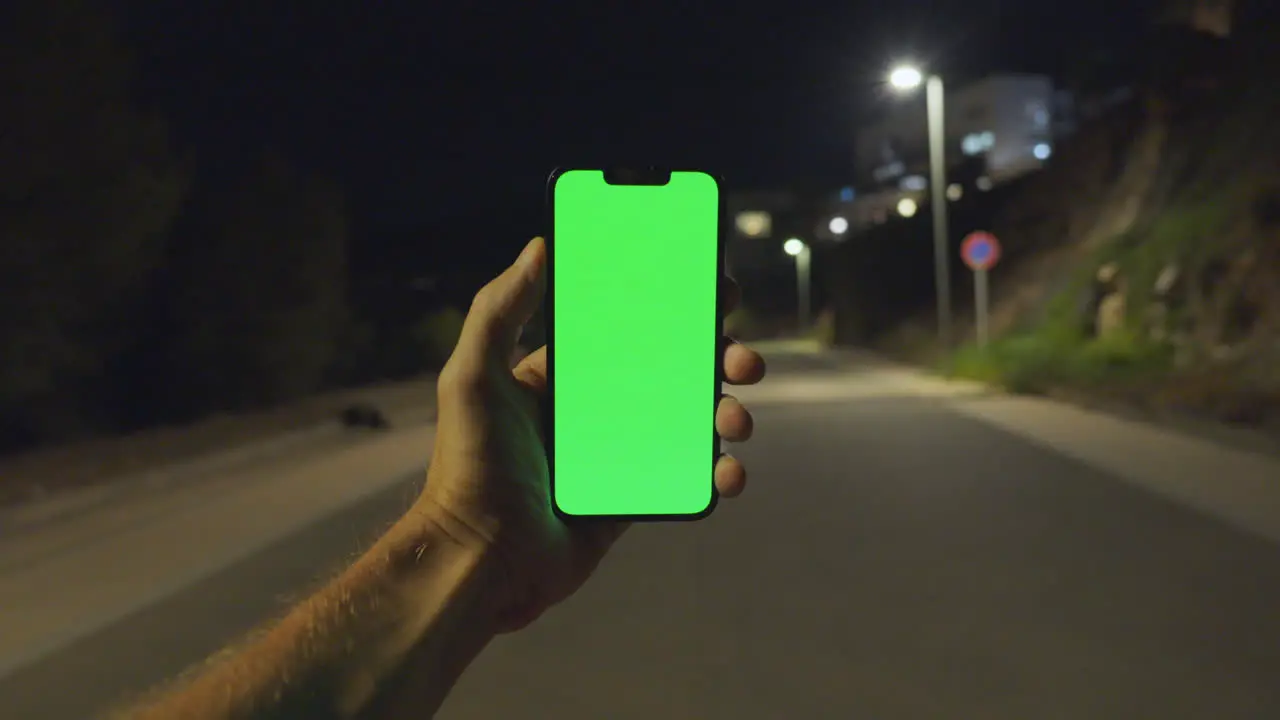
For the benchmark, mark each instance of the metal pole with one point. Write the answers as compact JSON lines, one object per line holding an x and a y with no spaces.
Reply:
{"x":938,"y":184}
{"x":802,"y":286}
{"x":981,"y":306}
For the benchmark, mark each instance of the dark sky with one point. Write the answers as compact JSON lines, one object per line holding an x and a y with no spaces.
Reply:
{"x":426,"y":108}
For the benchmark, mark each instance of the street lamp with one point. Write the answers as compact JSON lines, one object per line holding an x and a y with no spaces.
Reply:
{"x":798,"y":249}
{"x":906,"y":78}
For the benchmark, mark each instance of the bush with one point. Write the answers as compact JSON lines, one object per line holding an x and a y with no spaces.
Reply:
{"x":1039,"y":362}
{"x":1028,"y":364}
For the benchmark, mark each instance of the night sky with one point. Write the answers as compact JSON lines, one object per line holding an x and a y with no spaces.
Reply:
{"x":427,"y":110}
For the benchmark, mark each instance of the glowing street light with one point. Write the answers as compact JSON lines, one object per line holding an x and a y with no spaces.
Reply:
{"x":907,"y":207}
{"x":798,"y":249}
{"x":905,"y":78}
{"x":838,"y":225}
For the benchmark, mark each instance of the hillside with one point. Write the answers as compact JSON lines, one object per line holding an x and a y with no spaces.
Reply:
{"x":1144,"y":263}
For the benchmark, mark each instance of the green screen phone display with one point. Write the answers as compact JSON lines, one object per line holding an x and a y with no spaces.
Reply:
{"x":634,"y":327}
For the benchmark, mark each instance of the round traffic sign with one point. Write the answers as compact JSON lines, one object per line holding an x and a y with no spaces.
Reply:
{"x":980,"y":250}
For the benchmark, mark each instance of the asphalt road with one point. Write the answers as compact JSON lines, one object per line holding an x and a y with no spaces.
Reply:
{"x":892,"y":559}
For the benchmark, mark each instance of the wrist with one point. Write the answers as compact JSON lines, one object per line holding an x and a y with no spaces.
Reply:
{"x":431,"y":552}
{"x":436,"y":611}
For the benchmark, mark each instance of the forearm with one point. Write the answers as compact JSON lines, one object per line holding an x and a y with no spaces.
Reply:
{"x":408,"y":616}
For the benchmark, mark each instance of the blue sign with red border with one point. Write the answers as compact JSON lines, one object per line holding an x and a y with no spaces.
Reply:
{"x":980,"y":251}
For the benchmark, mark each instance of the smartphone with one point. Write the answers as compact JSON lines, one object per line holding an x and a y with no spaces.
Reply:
{"x":633,"y":324}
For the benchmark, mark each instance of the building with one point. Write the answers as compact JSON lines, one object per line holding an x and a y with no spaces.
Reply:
{"x":1008,"y":120}
{"x":1004,"y":126}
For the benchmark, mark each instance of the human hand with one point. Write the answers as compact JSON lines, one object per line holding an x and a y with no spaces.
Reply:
{"x":488,"y":476}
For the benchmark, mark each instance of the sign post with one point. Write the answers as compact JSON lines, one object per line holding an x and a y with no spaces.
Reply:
{"x":983,"y":306}
{"x":800,"y":250}
{"x":981,"y":252}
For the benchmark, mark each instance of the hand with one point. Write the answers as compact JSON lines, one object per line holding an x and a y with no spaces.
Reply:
{"x":488,"y":470}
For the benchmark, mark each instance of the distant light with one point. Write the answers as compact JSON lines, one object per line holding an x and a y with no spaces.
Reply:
{"x":984,"y":183}
{"x":793,"y":247}
{"x":846,"y":194}
{"x":753,"y":223}
{"x":955,"y":191}
{"x":838,"y":225}
{"x":906,"y":77}
{"x":1042,"y":151}
{"x":977,"y":143}
{"x":907,"y":207}
{"x":885,"y":173}
{"x":914,"y":183}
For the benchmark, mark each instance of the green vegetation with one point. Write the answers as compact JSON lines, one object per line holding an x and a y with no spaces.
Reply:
{"x":140,"y":288}
{"x":1202,"y":225}
{"x":1057,"y":351}
{"x":1037,"y":363}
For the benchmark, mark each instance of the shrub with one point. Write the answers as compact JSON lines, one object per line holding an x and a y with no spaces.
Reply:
{"x":1038,"y":362}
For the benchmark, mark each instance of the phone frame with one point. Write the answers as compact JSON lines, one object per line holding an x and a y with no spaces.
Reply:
{"x":717,"y":389}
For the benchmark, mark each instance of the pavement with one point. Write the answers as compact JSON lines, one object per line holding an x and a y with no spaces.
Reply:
{"x":908,"y":548}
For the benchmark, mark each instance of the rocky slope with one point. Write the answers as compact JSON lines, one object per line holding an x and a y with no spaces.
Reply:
{"x":1151,"y":244}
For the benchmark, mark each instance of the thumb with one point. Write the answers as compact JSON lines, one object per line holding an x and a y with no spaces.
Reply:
{"x":502,"y":307}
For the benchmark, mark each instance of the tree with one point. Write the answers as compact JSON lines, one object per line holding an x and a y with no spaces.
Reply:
{"x":88,"y":189}
{"x":260,"y":299}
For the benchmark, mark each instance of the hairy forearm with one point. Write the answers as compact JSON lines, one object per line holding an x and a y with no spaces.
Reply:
{"x":399,"y":625}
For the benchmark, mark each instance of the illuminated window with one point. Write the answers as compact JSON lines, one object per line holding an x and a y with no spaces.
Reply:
{"x":1038,"y":114}
{"x":914,"y":183}
{"x":977,"y":143}
{"x":887,"y":172}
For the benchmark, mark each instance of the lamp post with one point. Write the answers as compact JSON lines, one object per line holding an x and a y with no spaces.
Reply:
{"x":798,"y":249}
{"x":906,"y":78}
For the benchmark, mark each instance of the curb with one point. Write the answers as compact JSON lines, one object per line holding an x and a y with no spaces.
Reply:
{"x":1245,"y":439}
{"x":26,"y":516}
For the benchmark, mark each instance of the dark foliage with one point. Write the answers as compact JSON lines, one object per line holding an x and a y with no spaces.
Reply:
{"x":138,"y":289}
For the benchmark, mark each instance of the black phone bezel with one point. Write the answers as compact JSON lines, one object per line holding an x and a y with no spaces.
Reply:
{"x":648,"y":174}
